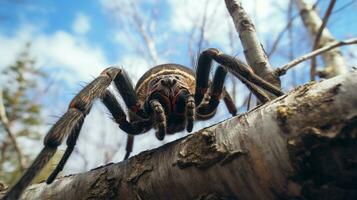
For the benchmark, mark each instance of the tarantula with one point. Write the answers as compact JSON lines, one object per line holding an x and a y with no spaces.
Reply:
{"x":168,"y":97}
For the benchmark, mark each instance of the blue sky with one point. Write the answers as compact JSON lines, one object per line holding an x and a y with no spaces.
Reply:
{"x":75,"y":40}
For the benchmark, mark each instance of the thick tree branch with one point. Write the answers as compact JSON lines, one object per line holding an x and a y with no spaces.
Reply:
{"x":299,"y":146}
{"x":253,"y":49}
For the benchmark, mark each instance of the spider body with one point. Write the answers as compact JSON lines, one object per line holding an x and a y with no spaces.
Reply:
{"x":166,"y":83}
{"x":168,"y":97}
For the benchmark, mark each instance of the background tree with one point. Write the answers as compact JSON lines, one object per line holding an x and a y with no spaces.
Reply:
{"x":20,"y":115}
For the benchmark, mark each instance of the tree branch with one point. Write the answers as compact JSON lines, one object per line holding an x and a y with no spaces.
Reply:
{"x":281,"y":150}
{"x":253,"y":49}
{"x":283,"y":69}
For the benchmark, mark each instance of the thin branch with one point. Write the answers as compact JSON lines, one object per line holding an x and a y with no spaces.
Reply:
{"x":282,"y":70}
{"x":318,"y":37}
{"x":202,"y":28}
{"x":148,"y":39}
{"x":5,"y":122}
{"x":291,"y":39}
{"x":344,"y":7}
{"x":280,"y":36}
{"x":286,"y":28}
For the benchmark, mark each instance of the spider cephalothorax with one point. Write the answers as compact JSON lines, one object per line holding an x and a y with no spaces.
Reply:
{"x":168,"y":97}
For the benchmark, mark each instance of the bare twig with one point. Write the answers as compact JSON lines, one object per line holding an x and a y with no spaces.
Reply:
{"x":318,"y":37}
{"x":344,"y":6}
{"x":282,"y":70}
{"x":5,"y":123}
{"x":286,"y":28}
{"x":291,"y":39}
{"x":148,"y":39}
{"x":132,"y":20}
{"x":280,"y":36}
{"x":202,"y":28}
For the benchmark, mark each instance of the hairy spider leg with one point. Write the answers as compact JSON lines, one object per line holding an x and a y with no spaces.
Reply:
{"x":186,"y":106}
{"x":121,"y":81}
{"x":160,"y":118}
{"x":127,"y":91}
{"x":202,"y":84}
{"x":242,"y":71}
{"x":228,"y":100}
{"x":119,"y":116}
{"x":129,"y":146}
{"x":206,"y":111}
{"x":68,"y":125}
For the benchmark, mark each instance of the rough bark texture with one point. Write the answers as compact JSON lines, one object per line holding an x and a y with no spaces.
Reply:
{"x":301,"y":145}
{"x":253,"y":49}
{"x":333,"y":60}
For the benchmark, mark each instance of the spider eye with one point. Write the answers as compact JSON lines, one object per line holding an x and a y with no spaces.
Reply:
{"x":177,"y":77}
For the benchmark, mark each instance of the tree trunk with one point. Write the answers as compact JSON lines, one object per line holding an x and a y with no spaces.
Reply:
{"x":301,"y":145}
{"x":333,"y":60}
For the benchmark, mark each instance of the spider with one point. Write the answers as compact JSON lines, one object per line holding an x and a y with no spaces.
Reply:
{"x":168,"y":97}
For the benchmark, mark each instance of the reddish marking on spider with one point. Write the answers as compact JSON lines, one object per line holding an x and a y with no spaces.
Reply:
{"x":135,"y":108}
{"x":72,"y":105}
{"x":201,"y":90}
{"x":216,"y":95}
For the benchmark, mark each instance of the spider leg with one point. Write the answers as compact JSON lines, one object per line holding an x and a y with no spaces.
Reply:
{"x":190,"y":112}
{"x":119,"y":116}
{"x":207,"y":110}
{"x":239,"y":69}
{"x":132,"y":128}
{"x":228,"y":100}
{"x":129,"y":146}
{"x":186,"y":106}
{"x":160,"y":118}
{"x":68,"y":125}
{"x":71,"y":142}
{"x":127,"y":92}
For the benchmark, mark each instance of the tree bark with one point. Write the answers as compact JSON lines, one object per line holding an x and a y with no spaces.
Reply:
{"x":333,"y":60}
{"x":301,"y":145}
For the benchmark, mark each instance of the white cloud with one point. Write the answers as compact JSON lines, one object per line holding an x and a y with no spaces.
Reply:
{"x":60,"y":50}
{"x":81,"y":24}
